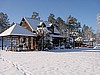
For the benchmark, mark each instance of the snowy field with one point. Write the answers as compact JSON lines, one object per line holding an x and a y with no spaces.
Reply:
{"x":56,"y":62}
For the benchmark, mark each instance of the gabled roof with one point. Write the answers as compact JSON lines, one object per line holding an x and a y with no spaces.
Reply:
{"x":33,"y":23}
{"x":17,"y":30}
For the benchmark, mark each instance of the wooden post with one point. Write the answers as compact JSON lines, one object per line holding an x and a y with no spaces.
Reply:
{"x":2,"y":42}
{"x":11,"y":42}
{"x":36,"y":47}
{"x":32,"y":43}
{"x":29,"y":43}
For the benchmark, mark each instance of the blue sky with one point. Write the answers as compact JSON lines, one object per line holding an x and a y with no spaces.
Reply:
{"x":84,"y":10}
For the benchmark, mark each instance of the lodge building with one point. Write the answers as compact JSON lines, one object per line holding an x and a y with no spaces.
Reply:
{"x":28,"y":33}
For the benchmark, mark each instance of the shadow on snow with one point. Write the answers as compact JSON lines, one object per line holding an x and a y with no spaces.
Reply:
{"x":75,"y":50}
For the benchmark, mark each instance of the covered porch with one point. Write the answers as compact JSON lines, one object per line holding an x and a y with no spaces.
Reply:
{"x":20,"y":39}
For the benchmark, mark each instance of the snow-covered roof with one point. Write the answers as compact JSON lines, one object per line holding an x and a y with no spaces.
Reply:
{"x":33,"y":23}
{"x":79,"y":39}
{"x":48,"y":24}
{"x":44,"y":29}
{"x":17,"y":30}
{"x":40,"y":23}
{"x":58,"y":36}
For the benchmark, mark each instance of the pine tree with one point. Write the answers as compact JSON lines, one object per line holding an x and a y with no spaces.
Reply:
{"x":4,"y":21}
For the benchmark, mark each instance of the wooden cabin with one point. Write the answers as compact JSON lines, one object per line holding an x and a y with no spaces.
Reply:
{"x":32,"y":25}
{"x":24,"y":39}
{"x":26,"y":35}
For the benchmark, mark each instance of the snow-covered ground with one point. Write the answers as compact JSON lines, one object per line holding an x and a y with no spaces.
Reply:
{"x":55,"y":62}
